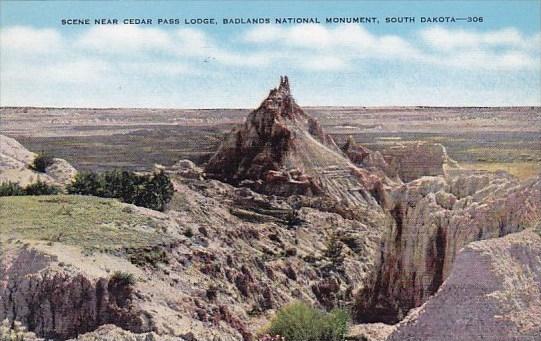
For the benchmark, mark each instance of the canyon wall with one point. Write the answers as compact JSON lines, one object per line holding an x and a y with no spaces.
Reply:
{"x":435,"y":217}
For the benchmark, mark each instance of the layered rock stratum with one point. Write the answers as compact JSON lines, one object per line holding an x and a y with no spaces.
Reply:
{"x":281,"y":150}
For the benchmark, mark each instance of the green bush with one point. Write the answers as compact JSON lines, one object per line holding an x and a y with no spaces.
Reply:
{"x":10,"y":188}
{"x":123,"y":278}
{"x":333,"y":251}
{"x":152,"y":191}
{"x":41,"y":188}
{"x":42,"y":161}
{"x":293,"y":218}
{"x":301,"y":322}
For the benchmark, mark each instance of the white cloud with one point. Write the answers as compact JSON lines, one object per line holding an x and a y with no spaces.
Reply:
{"x":123,"y":39}
{"x":128,"y":54}
{"x":24,"y":40}
{"x":342,"y":46}
{"x":500,"y":50}
{"x":316,"y":37}
{"x":442,"y":38}
{"x":337,"y":47}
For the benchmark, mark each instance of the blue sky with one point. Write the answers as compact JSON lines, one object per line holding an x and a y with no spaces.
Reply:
{"x":44,"y":63}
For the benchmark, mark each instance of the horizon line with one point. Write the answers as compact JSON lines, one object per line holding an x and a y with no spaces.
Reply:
{"x":304,"y":107}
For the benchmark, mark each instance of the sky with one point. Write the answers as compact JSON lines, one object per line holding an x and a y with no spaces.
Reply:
{"x":496,"y":62}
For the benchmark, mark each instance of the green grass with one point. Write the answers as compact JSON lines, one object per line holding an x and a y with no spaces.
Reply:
{"x":89,"y":222}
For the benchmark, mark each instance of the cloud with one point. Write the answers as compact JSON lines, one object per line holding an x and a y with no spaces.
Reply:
{"x":322,"y":48}
{"x":185,"y":43}
{"x":340,"y":47}
{"x":345,"y":40}
{"x":442,"y":38}
{"x":129,"y":55}
{"x":123,"y":39}
{"x":499,"y":50}
{"x":25,"y":40}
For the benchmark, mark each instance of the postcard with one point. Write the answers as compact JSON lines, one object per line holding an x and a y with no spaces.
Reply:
{"x":270,"y":170}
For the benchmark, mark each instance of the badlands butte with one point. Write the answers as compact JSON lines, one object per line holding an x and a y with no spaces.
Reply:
{"x":425,"y":247}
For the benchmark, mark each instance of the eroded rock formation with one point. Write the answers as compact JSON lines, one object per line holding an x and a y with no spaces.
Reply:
{"x":492,"y":293}
{"x":58,"y":304}
{"x":281,"y":150}
{"x":402,"y":161}
{"x":435,"y":217}
{"x":255,"y":236}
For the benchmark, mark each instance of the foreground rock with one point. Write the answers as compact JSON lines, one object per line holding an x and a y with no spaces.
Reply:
{"x":111,"y":332}
{"x":56,"y":303}
{"x":369,"y":332}
{"x":492,"y":293}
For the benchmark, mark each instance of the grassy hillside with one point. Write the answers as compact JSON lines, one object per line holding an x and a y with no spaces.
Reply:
{"x":88,"y":222}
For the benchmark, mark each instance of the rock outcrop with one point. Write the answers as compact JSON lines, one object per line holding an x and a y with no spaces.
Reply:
{"x":58,"y":304}
{"x":493,"y":293}
{"x":16,"y":161}
{"x":259,"y":228}
{"x":402,"y":161}
{"x":435,"y":217}
{"x":110,"y":332}
{"x":281,"y":150}
{"x":412,"y":161}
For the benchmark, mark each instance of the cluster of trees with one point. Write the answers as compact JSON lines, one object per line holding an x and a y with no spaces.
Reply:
{"x":152,"y":191}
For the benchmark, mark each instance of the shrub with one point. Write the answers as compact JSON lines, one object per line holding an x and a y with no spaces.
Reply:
{"x":41,"y":188}
{"x":10,"y":188}
{"x":293,"y":219}
{"x":188,"y":232}
{"x":123,"y":278}
{"x":333,"y":251}
{"x":151,"y":191}
{"x":37,"y":188}
{"x":42,"y":161}
{"x":148,"y":256}
{"x":301,"y":322}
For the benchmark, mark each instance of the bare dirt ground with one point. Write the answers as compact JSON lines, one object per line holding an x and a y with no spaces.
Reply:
{"x":97,"y":139}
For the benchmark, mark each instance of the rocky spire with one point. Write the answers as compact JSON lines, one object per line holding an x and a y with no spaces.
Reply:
{"x":280,"y":103}
{"x":284,"y":85}
{"x":281,"y":150}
